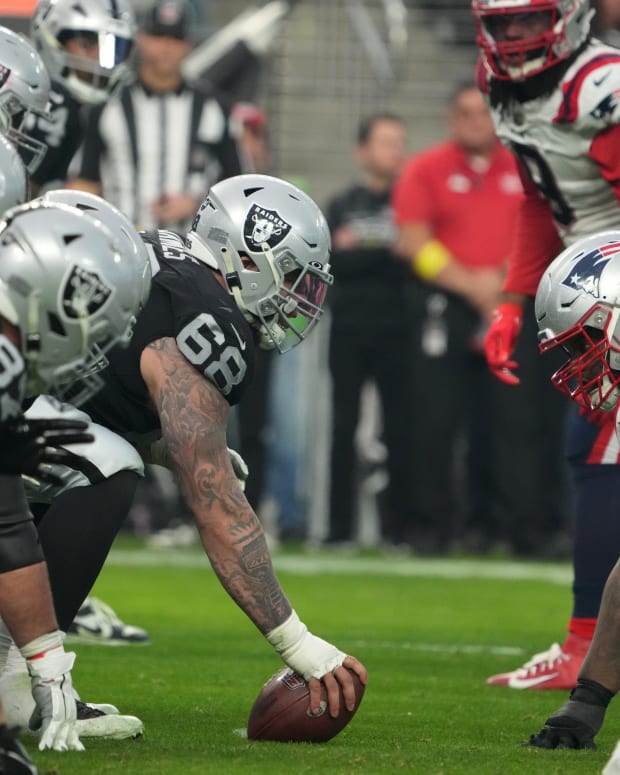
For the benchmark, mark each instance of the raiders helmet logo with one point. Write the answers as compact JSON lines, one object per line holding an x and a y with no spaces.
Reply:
{"x":585,"y":275}
{"x":4,"y":74}
{"x":262,"y":226}
{"x":84,"y":293}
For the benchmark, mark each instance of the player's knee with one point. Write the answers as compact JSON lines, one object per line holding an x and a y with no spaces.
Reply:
{"x":19,"y":544}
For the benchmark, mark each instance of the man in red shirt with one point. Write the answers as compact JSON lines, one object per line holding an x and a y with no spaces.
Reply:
{"x":456,"y":205}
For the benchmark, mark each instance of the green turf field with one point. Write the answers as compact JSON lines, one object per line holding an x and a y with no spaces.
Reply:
{"x":429,"y":633}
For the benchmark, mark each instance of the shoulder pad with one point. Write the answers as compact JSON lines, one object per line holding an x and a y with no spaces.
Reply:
{"x":591,"y":88}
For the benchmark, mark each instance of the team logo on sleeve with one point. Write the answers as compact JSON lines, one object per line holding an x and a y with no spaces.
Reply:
{"x":585,"y":275}
{"x":262,"y":225}
{"x":85,"y":292}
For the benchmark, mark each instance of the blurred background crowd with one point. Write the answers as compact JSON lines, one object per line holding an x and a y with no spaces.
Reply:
{"x":386,"y":429}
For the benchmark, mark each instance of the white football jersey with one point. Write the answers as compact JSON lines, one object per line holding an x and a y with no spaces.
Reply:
{"x":552,"y":136}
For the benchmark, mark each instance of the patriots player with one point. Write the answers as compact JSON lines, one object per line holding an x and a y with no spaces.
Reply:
{"x":64,"y":299}
{"x":254,"y":268}
{"x":86,"y":48}
{"x":554,"y":93}
{"x":577,"y":308}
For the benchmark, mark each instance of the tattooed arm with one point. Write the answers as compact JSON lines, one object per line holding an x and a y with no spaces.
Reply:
{"x":193,"y":418}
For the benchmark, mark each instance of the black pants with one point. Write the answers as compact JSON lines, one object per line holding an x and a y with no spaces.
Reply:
{"x":356,"y":356}
{"x":488,"y":456}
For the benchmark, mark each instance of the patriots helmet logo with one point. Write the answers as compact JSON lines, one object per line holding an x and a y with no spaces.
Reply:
{"x":585,"y":275}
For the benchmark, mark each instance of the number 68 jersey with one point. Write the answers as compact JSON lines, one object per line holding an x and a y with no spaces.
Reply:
{"x":188,"y":304}
{"x":568,"y":142}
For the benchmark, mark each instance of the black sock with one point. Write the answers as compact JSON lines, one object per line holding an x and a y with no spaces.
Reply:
{"x":76,"y":532}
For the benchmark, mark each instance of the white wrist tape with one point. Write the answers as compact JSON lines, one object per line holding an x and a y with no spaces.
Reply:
{"x":308,"y":655}
{"x":43,"y":643}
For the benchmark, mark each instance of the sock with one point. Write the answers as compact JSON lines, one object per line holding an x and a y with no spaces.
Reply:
{"x":582,"y":627}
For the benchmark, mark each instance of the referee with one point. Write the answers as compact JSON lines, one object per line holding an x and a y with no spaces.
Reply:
{"x":156,"y":149}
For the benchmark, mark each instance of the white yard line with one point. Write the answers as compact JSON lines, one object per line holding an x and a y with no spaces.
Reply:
{"x":314,"y":564}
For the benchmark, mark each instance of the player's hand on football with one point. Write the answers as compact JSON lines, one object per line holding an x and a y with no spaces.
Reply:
{"x":335,"y":681}
{"x":30,"y":447}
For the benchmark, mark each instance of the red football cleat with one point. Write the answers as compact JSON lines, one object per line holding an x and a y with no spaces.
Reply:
{"x":556,"y":668}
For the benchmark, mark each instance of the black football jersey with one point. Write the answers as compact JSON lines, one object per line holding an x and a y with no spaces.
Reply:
{"x":12,"y":381}
{"x":186,"y":303}
{"x":62,"y":134}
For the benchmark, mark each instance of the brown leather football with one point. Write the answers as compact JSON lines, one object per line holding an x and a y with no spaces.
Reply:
{"x":281,"y":713}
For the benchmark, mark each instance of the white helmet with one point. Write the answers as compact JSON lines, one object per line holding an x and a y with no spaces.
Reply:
{"x":13,"y":180}
{"x":24,"y":94}
{"x":108,"y":25}
{"x":64,"y":284}
{"x":132,"y":247}
{"x":567,"y":28}
{"x":271,"y":243}
{"x":578,"y":309}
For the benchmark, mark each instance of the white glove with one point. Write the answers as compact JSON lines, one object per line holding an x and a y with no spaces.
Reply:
{"x":240,"y":467}
{"x":52,"y":688}
{"x":308,"y":655}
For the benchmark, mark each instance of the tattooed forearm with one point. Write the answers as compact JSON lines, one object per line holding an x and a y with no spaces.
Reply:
{"x":193,"y":418}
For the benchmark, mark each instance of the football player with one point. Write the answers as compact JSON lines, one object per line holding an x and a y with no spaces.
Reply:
{"x":86,"y":48}
{"x":254,"y":269}
{"x":553,"y":93}
{"x":24,"y":96}
{"x":65,"y":298}
{"x":577,"y":308}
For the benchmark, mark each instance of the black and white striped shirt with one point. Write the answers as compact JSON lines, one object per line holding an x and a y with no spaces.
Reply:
{"x":143,"y":144}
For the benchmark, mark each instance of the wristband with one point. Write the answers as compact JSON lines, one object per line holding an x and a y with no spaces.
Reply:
{"x":592,"y":693}
{"x":288,"y":635}
{"x":432,"y":257}
{"x":39,"y":646}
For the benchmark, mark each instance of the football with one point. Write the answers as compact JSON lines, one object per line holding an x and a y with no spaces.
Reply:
{"x":281,"y":713}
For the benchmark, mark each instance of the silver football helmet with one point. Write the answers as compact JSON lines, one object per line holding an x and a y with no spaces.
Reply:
{"x":567,"y":28}
{"x":107,"y":27}
{"x":578,"y":309}
{"x":132,"y":247}
{"x":64,"y":284}
{"x":13,"y":180}
{"x":271,"y":244}
{"x":24,"y":95}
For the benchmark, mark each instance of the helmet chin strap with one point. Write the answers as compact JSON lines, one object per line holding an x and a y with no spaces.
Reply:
{"x":273,"y":336}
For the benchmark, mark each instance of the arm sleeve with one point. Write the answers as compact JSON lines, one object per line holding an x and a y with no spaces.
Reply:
{"x":605,"y":152}
{"x":92,"y":149}
{"x":536,"y":241}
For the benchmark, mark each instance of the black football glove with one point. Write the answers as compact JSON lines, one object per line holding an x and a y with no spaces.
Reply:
{"x":29,"y":446}
{"x":577,"y":722}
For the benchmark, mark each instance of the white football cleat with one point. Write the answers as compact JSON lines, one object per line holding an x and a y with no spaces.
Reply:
{"x":97,"y":623}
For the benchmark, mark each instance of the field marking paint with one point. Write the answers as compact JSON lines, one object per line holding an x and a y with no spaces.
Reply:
{"x":312,"y":565}
{"x":441,"y":648}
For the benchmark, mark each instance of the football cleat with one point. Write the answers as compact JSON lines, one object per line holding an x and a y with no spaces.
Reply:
{"x":93,"y":722}
{"x":97,"y":623}
{"x":14,"y":759}
{"x":556,"y":668}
